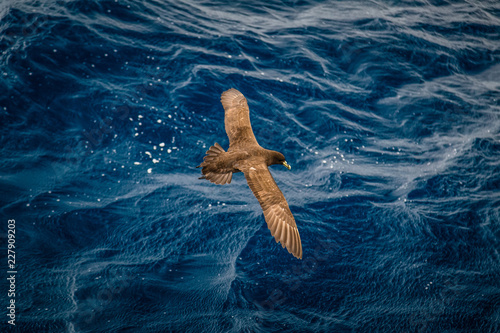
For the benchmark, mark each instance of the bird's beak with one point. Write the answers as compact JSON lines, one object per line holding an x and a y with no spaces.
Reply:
{"x":287,"y":165}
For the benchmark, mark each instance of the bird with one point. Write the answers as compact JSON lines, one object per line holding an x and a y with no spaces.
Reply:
{"x":246,"y":155}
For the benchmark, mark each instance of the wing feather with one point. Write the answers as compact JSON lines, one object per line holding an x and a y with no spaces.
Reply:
{"x":284,"y":238}
{"x":274,"y":226}
{"x":293,"y":240}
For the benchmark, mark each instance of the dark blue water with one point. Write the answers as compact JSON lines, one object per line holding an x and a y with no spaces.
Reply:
{"x":388,"y":112}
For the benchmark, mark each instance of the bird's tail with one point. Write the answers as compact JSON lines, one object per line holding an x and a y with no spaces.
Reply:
{"x":212,"y":166}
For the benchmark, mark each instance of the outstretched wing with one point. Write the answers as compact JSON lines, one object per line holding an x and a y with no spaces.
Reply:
{"x":278,"y":216}
{"x":237,"y":118}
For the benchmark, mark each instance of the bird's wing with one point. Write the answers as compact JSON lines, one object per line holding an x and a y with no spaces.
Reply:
{"x":278,"y":216}
{"x":237,"y":118}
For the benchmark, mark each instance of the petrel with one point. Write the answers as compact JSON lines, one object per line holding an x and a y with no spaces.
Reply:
{"x":246,"y":155}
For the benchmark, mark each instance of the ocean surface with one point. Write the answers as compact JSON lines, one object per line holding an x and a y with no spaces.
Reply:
{"x":387,"y":111}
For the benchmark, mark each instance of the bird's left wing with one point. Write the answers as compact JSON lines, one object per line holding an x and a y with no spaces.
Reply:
{"x":278,"y":216}
{"x":237,"y":118}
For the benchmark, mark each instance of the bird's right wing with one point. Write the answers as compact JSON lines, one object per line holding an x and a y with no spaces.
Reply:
{"x":278,"y":216}
{"x":237,"y":118}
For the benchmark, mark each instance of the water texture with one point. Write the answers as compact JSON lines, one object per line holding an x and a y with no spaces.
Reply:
{"x":388,"y":112}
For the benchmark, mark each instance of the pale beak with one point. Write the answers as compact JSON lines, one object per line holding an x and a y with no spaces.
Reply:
{"x":287,"y":165}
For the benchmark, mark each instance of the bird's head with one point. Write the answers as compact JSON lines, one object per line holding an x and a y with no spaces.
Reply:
{"x":278,"y":158}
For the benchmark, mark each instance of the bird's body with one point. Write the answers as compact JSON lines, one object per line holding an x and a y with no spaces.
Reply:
{"x":247,"y":156}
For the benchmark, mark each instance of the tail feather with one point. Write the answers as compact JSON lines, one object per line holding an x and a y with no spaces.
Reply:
{"x":212,"y":168}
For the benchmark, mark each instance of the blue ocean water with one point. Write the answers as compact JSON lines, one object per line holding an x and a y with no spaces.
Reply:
{"x":388,"y":112}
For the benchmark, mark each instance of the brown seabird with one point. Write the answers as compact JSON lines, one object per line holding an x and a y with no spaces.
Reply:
{"x":246,"y":155}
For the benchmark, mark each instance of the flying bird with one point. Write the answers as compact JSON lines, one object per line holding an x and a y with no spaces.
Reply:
{"x":246,"y":155}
